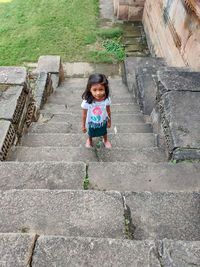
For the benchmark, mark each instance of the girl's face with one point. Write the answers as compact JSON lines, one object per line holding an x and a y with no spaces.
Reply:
{"x":98,"y":91}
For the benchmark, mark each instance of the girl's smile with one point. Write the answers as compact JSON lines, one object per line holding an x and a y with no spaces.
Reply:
{"x":98,"y":91}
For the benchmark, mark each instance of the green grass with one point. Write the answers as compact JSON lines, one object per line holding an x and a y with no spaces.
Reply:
{"x":110,"y":33}
{"x":69,"y":28}
{"x":31,"y":28}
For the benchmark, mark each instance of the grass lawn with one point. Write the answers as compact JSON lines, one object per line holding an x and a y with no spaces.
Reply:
{"x":31,"y":28}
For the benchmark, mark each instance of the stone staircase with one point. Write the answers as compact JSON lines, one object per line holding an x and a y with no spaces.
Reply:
{"x":140,"y":209}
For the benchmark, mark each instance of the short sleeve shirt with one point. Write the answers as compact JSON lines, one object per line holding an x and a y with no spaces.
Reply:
{"x":97,"y":115}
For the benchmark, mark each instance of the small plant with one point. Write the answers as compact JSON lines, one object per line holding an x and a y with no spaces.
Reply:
{"x":99,"y":143}
{"x":114,"y":47}
{"x":86,"y":183}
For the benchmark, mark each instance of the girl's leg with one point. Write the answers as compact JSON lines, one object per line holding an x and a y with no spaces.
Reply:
{"x":106,"y":142}
{"x":89,"y":142}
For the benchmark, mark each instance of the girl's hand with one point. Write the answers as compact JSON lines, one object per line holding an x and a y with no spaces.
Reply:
{"x":109,"y":124}
{"x":84,"y":130}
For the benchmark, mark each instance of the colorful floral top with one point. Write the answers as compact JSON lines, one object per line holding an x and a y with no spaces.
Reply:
{"x":97,"y":115}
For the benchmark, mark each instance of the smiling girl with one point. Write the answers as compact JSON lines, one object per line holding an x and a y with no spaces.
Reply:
{"x":96,"y":109}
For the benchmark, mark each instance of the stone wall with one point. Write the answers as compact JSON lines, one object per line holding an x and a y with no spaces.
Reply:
{"x":173,"y":30}
{"x":22,"y":95}
{"x":131,"y":10}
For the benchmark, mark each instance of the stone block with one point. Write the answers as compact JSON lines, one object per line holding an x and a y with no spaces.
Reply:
{"x":11,"y":103}
{"x":62,"y":212}
{"x":132,"y":63}
{"x":135,"y":12}
{"x":122,"y":13}
{"x":180,"y":112}
{"x":146,"y":89}
{"x":42,"y":175}
{"x":52,"y":65}
{"x":55,"y":127}
{"x":49,"y":64}
{"x":116,"y":5}
{"x":164,"y":176}
{"x":158,"y":215}
{"x":13,"y":76}
{"x":67,"y":154}
{"x":77,"y":251}
{"x":178,"y":80}
{"x":179,"y":253}
{"x":16,"y":249}
{"x":43,"y":89}
{"x":149,"y":154}
{"x":7,"y":135}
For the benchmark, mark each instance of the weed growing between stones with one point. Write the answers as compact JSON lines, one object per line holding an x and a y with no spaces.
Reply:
{"x":86,"y":181}
{"x":129,"y":227}
{"x":114,"y":47}
{"x":175,"y":161}
{"x":98,"y":145}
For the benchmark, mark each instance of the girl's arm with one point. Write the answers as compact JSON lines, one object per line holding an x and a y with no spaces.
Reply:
{"x":84,"y":130}
{"x":109,"y":116}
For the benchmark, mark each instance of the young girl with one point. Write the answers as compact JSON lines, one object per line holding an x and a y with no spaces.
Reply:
{"x":96,"y":109}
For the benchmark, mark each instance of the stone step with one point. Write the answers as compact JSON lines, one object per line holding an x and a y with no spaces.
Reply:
{"x":62,"y":212}
{"x":81,"y":251}
{"x":78,"y":140}
{"x":70,"y":118}
{"x":67,"y":154}
{"x":58,"y":127}
{"x":81,"y":83}
{"x":54,"y":108}
{"x":72,"y":100}
{"x":158,"y":215}
{"x":77,"y":93}
{"x":42,"y":175}
{"x":138,"y":155}
{"x":91,"y":251}
{"x":125,"y":176}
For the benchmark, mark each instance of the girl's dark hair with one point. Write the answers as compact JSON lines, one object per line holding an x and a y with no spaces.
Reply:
{"x":94,"y":79}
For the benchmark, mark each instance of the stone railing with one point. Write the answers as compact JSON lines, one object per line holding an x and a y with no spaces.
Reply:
{"x":22,"y":95}
{"x":169,"y":97}
{"x":131,"y":10}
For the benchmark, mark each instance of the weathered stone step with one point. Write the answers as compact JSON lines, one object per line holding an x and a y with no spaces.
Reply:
{"x":71,"y":100}
{"x":80,"y":251}
{"x":67,"y":154}
{"x":62,"y":212}
{"x":90,"y":251}
{"x":66,"y":92}
{"x":117,"y":140}
{"x":158,"y":215}
{"x":58,"y":127}
{"x":50,"y":111}
{"x":70,"y":118}
{"x":42,"y":175}
{"x":54,"y":108}
{"x":124,"y":176}
{"x":80,"y":84}
{"x":153,"y":154}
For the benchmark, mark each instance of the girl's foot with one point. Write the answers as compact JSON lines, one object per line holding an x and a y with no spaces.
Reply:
{"x":88,"y":143}
{"x":107,"y":144}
